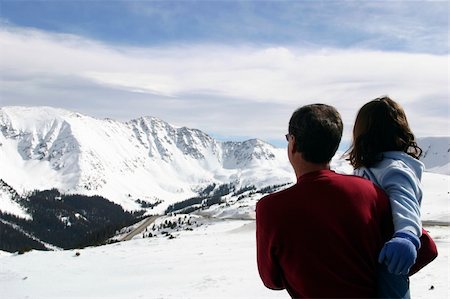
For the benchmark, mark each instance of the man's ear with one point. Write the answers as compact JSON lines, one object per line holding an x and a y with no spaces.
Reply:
{"x":293,"y":145}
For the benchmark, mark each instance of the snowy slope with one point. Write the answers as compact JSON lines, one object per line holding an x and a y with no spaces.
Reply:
{"x":214,"y":261}
{"x":146,"y":158}
{"x":9,"y":201}
{"x":436,"y":154}
{"x":436,"y":197}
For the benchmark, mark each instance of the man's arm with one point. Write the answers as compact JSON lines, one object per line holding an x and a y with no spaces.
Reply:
{"x":268,"y":267}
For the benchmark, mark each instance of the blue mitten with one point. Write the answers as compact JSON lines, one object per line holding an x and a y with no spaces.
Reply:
{"x":400,"y":253}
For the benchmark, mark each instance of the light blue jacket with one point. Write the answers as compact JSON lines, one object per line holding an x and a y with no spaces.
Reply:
{"x":399,"y":175}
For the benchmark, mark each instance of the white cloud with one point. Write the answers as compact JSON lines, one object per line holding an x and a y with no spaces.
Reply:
{"x":224,"y":90}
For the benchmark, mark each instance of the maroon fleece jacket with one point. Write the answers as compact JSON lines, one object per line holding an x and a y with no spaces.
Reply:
{"x":321,"y":237}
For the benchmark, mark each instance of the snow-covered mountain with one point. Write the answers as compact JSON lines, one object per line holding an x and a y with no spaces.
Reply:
{"x":144,"y":163}
{"x":436,"y":154}
{"x":145,"y":158}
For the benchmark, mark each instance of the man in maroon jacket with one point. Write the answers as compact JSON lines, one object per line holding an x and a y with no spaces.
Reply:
{"x":321,"y":237}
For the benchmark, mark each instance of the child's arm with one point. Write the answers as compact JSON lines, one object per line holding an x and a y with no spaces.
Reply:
{"x":405,"y":195}
{"x":403,"y":189}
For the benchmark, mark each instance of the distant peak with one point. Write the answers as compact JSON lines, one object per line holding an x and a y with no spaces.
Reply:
{"x":252,"y":142}
{"x":148,"y":118}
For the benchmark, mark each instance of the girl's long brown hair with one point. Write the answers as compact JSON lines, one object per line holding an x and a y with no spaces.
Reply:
{"x":380,"y":126}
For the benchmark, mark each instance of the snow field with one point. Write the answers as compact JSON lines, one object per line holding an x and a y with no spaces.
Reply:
{"x":217,"y":260}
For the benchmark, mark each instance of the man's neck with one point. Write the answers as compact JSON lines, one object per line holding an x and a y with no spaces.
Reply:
{"x":305,"y":167}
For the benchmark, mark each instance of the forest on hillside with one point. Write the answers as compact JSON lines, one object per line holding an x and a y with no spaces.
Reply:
{"x":65,"y":221}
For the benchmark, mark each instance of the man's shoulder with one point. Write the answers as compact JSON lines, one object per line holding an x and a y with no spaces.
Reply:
{"x":273,"y":205}
{"x":351,"y":179}
{"x":275,"y":196}
{"x":357,"y":183}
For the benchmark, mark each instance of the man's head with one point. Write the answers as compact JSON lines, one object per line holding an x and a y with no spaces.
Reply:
{"x":317,"y":129}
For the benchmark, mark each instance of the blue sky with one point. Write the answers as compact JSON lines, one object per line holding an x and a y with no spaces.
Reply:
{"x":393,"y":25}
{"x":235,"y":69}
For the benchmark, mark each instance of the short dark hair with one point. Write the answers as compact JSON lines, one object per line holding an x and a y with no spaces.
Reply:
{"x":318,"y":131}
{"x":381,"y":126}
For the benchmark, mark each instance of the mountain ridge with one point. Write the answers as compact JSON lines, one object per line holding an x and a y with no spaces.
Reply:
{"x":436,"y":153}
{"x":146,"y":158}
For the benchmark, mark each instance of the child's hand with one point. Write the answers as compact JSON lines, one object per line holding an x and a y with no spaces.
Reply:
{"x":400,"y":253}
